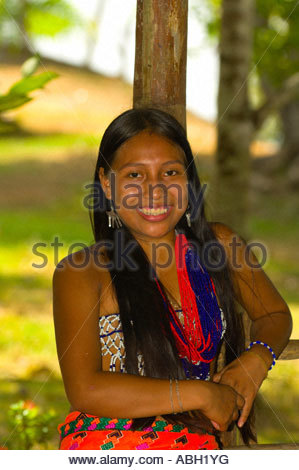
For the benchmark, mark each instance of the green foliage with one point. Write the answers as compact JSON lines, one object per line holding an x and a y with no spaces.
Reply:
{"x":47,"y":390}
{"x":276,"y":40}
{"x":276,"y":36}
{"x":208,"y":13}
{"x":28,"y":84}
{"x":17,"y":95}
{"x":50,"y":17}
{"x":28,"y":425}
{"x":23,"y":20}
{"x":10,"y":101}
{"x":275,"y":50}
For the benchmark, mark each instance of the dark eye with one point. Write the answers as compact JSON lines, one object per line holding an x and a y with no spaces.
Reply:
{"x":133,"y":174}
{"x":168,"y":172}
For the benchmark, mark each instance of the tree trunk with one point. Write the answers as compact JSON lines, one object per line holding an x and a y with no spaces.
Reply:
{"x":160,"y":57}
{"x":235,"y":128}
{"x":290,"y":120}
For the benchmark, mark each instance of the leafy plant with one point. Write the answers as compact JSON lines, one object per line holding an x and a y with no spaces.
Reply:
{"x":28,"y":425}
{"x":22,"y":21}
{"x":18,"y":94}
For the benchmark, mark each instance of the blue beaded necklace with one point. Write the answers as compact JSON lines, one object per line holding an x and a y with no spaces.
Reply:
{"x":197,"y":341}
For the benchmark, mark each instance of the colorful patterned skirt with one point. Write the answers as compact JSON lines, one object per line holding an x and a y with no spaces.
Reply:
{"x":81,"y":431}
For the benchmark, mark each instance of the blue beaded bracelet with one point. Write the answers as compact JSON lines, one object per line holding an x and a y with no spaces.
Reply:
{"x":266,"y":346}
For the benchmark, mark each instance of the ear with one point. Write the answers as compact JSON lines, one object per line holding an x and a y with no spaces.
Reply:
{"x":105,"y":182}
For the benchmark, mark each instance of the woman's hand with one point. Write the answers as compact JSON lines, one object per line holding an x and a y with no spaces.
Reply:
{"x":223,"y":405}
{"x":245,"y":375}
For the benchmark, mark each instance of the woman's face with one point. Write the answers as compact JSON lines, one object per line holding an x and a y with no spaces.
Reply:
{"x":148,"y":184}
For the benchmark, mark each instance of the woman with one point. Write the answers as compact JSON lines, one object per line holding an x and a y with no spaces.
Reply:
{"x":159,"y":287}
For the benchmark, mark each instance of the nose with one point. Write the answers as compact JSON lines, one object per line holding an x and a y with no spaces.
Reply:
{"x":154,"y":192}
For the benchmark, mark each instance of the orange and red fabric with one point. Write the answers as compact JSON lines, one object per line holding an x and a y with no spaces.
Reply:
{"x":81,"y":431}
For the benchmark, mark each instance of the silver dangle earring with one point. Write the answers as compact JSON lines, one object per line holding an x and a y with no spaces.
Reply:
{"x":113,"y":218}
{"x":188,"y":216}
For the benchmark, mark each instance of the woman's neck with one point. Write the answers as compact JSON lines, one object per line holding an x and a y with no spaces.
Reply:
{"x":160,"y":251}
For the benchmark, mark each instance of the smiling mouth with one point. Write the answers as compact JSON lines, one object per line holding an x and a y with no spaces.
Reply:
{"x":154,"y":210}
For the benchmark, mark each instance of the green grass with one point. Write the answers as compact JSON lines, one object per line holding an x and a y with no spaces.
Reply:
{"x":29,"y":337}
{"x":278,"y":404}
{"x":41,"y":192}
{"x":39,"y":147}
{"x":43,"y":226}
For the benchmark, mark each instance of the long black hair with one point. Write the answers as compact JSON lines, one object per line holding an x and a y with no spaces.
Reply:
{"x":144,"y":318}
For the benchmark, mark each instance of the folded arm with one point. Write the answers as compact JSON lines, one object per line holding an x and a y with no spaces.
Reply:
{"x":269,"y":313}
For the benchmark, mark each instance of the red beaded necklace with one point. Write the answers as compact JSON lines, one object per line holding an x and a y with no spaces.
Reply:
{"x":197,"y":340}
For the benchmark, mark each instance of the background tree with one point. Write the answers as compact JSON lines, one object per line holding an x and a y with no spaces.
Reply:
{"x":234,"y":123}
{"x":276,"y":41}
{"x":271,"y":85}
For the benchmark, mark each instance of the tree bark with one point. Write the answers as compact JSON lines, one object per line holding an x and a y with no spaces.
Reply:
{"x":160,"y":56}
{"x":235,"y":127}
{"x":290,"y":119}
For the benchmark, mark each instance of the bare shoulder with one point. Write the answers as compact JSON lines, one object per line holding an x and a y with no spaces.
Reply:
{"x":89,"y":264}
{"x":83,"y":277}
{"x":224,"y":233}
{"x":238,"y":252}
{"x":231,"y":241}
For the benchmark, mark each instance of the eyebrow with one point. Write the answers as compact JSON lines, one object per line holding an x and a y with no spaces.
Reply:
{"x":143,"y":164}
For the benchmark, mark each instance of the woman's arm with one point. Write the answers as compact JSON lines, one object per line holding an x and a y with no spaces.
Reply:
{"x":76,"y":299}
{"x":270,"y":315}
